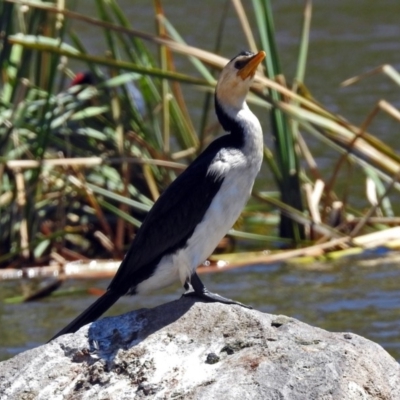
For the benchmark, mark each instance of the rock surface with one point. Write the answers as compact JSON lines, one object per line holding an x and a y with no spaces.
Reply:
{"x":193,"y":350}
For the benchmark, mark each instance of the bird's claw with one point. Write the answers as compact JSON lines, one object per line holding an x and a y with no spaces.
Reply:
{"x":214,"y":298}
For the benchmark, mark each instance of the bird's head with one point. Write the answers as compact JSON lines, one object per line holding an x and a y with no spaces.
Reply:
{"x":236,"y":78}
{"x":83,"y":78}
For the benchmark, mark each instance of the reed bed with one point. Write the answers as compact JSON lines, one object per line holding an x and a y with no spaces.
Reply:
{"x":81,"y":165}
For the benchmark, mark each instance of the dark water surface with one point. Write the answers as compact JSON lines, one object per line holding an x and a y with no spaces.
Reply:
{"x":348,"y":38}
{"x":359,"y":296}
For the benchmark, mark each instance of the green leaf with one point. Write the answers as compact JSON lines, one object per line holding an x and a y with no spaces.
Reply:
{"x":88,"y":112}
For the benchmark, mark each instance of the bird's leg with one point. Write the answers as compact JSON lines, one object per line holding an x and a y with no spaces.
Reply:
{"x":199,"y":290}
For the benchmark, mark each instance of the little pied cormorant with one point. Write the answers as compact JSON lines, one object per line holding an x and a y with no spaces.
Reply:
{"x":196,"y":211}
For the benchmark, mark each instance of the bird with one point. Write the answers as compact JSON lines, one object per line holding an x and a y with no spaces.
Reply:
{"x":199,"y":207}
{"x":87,"y":78}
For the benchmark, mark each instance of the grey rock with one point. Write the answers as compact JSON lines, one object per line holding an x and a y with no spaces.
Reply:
{"x":193,"y":350}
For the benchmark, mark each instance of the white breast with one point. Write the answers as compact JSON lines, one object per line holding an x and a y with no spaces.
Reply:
{"x":239,"y":167}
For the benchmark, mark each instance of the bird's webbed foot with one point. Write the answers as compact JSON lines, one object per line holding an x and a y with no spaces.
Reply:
{"x":199,"y":290}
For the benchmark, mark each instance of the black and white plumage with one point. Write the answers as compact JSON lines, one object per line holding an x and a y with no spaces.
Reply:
{"x":196,"y":211}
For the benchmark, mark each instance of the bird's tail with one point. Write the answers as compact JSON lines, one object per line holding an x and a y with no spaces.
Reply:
{"x":100,"y":306}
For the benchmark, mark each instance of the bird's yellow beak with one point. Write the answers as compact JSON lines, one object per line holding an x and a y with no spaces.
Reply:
{"x":250,"y":68}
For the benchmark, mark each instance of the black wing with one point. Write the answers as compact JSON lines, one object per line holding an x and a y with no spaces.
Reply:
{"x":171,"y":221}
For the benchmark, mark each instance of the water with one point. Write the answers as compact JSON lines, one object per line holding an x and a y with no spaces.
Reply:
{"x":347,"y":38}
{"x":351,"y":295}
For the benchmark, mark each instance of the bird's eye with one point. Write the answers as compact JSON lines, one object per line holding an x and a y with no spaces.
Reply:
{"x":239,"y":64}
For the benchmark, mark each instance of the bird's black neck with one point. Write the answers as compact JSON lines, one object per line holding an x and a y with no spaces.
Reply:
{"x":230,"y":124}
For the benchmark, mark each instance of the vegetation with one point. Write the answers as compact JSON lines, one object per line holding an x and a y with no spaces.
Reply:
{"x":81,"y":165}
